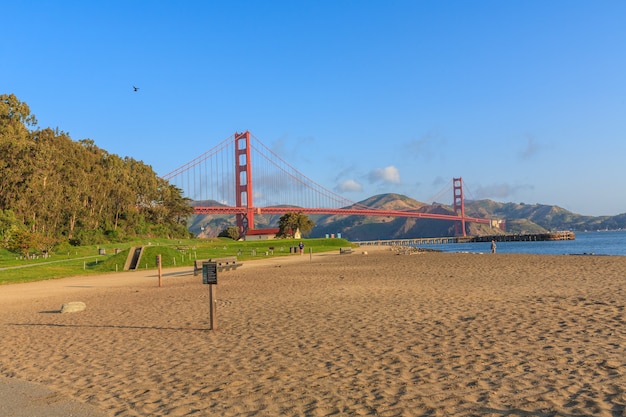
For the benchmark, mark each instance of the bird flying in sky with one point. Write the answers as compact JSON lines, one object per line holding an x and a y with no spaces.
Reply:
{"x":135,"y":88}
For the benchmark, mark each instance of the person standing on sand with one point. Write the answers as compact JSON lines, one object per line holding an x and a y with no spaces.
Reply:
{"x":301,"y":246}
{"x":493,"y":246}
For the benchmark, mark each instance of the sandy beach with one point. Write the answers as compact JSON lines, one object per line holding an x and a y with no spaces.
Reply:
{"x":382,"y":334}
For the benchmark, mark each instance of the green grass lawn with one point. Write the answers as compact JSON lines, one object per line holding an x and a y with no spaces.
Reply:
{"x":82,"y":260}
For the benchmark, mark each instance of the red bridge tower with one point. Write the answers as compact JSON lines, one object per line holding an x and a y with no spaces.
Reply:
{"x":459,"y":206}
{"x":243,"y":173}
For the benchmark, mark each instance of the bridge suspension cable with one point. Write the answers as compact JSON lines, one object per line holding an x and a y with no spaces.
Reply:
{"x":282,"y":182}
{"x":441,"y":194}
{"x":208,"y":177}
{"x":220,"y":182}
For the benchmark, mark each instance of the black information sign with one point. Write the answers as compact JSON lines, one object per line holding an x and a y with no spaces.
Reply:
{"x":209,"y":273}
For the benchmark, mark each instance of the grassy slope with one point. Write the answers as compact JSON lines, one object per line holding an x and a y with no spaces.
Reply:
{"x":174,"y":253}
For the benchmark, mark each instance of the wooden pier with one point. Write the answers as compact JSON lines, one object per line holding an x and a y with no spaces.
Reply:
{"x":527,"y":237}
{"x":413,"y":241}
{"x":531,"y":237}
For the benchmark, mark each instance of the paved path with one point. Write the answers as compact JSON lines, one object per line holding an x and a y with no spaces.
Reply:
{"x":50,"y":262}
{"x":25,"y":399}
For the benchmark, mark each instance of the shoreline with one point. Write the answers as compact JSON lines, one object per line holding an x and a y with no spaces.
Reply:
{"x":428,"y":333}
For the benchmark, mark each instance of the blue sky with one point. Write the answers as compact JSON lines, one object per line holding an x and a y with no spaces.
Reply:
{"x":526,"y":100}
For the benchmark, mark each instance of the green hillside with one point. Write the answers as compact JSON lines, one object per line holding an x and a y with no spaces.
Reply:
{"x":57,"y":191}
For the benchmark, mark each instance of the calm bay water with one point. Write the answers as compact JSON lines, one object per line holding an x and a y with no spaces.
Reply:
{"x":597,"y":243}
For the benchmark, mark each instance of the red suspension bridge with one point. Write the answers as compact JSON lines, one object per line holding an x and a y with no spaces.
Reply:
{"x":220,"y":182}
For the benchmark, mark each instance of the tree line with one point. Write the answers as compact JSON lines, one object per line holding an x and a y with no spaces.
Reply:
{"x":54,"y":189}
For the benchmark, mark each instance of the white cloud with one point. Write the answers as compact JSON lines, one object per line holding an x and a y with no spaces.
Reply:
{"x":502,"y":190}
{"x":388,"y":174}
{"x":348,"y":186}
{"x":531,"y":149}
{"x":426,"y":147}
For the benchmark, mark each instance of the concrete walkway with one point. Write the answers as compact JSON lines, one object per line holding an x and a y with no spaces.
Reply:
{"x":25,"y":399}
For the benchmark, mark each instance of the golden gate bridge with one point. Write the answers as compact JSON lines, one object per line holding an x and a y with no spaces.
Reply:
{"x":220,"y":181}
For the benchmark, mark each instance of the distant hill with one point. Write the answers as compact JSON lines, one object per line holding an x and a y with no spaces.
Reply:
{"x":520,"y":218}
{"x":371,"y":228}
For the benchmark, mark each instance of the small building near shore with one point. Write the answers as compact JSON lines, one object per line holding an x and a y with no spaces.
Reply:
{"x":262,"y":234}
{"x":498,"y":224}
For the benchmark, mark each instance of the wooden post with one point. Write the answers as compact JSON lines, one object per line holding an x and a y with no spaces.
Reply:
{"x":209,"y":276}
{"x":212,"y":307}
{"x":158,"y":262}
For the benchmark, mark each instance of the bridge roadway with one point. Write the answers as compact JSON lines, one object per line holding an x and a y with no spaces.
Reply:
{"x":339,"y":211}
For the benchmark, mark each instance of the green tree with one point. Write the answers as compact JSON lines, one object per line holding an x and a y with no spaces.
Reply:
{"x":290,"y":222}
{"x":231,"y":232}
{"x":23,"y":242}
{"x":15,"y":116}
{"x":60,"y":189}
{"x":9,"y":225}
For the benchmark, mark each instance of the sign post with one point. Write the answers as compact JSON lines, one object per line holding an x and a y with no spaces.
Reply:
{"x":209,"y":276}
